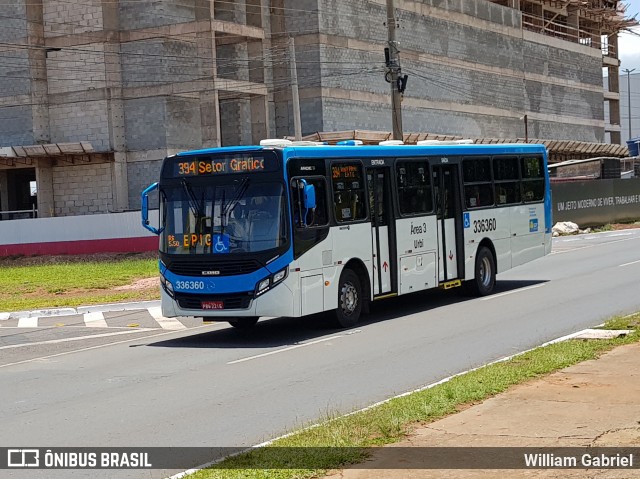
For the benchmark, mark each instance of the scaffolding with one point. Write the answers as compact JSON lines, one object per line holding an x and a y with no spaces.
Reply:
{"x":593,"y":23}
{"x":588,"y":22}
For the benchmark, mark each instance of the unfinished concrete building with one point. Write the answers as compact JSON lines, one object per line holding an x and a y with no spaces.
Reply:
{"x":95,"y":93}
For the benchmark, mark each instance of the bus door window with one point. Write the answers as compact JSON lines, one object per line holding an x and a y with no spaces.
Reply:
{"x":445,"y":178}
{"x":444,"y":191}
{"x":382,"y":230}
{"x":414,"y":187}
{"x":318,"y":215}
{"x":315,"y":227}
{"x":348,"y":192}
{"x":375,"y":181}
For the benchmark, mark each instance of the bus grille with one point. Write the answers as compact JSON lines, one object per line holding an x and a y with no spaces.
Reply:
{"x":231,"y":301}
{"x":212,"y":268}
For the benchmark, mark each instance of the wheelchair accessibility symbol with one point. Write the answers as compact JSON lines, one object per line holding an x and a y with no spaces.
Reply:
{"x":220,"y":243}
{"x":467,"y":220}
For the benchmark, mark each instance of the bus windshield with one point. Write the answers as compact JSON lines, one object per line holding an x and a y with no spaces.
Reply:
{"x":225,"y":216}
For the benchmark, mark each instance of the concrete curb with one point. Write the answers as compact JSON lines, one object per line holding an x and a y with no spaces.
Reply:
{"x":101,"y":308}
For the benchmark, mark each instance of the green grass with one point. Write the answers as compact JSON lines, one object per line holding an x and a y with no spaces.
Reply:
{"x":340,"y":441}
{"x":72,"y":284}
{"x":609,"y":227}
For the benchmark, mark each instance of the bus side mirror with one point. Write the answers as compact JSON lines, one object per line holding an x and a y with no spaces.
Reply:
{"x":145,"y":209}
{"x":309,"y":199}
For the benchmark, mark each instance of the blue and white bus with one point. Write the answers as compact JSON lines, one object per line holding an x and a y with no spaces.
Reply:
{"x":286,"y":229}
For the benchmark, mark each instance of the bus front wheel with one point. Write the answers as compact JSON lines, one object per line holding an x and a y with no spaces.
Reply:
{"x":485,"y":273}
{"x":243,"y":323}
{"x":349,"y":299}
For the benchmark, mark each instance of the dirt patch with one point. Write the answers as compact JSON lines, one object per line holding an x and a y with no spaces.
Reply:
{"x":141,"y":284}
{"x":625,"y":226}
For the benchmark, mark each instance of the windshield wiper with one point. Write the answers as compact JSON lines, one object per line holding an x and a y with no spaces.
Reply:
{"x":194,"y":205}
{"x":239,"y":193}
{"x":223,"y":213}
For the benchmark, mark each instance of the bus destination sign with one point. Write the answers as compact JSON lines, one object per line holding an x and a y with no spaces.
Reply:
{"x":220,"y":165}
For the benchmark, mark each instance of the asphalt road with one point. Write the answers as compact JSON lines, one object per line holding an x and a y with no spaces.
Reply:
{"x":214,"y":386}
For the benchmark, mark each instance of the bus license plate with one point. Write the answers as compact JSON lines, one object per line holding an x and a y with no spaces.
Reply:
{"x":212,"y":304}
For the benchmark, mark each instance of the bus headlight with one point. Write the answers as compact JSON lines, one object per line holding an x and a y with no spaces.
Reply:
{"x":262,"y":286}
{"x":267,"y":283}
{"x":168,"y":287}
{"x":279,"y":276}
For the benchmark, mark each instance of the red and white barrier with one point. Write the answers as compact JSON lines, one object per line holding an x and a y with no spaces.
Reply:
{"x":102,"y":233}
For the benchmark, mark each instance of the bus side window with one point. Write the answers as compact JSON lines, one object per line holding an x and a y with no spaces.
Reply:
{"x":532,"y":179}
{"x":348,"y":192}
{"x":317,"y":216}
{"x":478,"y":187}
{"x":507,"y":180}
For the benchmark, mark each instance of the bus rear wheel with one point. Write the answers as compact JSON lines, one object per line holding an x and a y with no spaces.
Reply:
{"x":485,"y":273}
{"x":349,"y":299}
{"x":243,"y":323}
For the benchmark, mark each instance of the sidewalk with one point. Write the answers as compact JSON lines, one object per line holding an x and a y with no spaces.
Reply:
{"x":593,"y":403}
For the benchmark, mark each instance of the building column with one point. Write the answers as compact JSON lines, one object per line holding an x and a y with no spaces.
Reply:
{"x":235,"y":12}
{"x":614,"y":87}
{"x":260,"y":119}
{"x":4,"y":194}
{"x":115,"y":107}
{"x":44,"y":184}
{"x":235,"y":115}
{"x":209,"y":102}
{"x":38,"y":72}
{"x":573,"y":22}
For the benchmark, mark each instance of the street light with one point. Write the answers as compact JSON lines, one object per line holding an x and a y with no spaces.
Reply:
{"x":627,"y":71}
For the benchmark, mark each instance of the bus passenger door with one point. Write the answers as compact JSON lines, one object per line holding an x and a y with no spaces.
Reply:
{"x":384,"y":270}
{"x":448,"y":210}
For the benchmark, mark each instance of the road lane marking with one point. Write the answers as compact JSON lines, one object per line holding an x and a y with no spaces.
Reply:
{"x":283,"y":350}
{"x":627,"y":264}
{"x":493,"y":296}
{"x":95,"y":320}
{"x":28,"y":322}
{"x":595,"y":245}
{"x":163,"y":333}
{"x":165,"y":323}
{"x":66,"y":340}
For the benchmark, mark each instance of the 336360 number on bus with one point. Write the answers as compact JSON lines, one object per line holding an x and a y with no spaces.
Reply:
{"x":482,"y":226}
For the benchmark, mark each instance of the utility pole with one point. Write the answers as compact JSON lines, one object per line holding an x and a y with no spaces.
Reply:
{"x":627,"y":71}
{"x":392,"y":75}
{"x":295,"y":98}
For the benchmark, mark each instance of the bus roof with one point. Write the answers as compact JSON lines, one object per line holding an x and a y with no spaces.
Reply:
{"x":316,"y":151}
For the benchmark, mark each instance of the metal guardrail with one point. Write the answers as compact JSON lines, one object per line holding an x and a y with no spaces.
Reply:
{"x":19,"y":214}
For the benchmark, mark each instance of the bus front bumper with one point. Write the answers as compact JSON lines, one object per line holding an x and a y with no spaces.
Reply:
{"x":278,"y":301}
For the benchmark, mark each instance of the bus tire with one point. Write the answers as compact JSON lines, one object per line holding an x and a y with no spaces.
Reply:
{"x":485,"y":273}
{"x":349,"y":299}
{"x":243,"y":323}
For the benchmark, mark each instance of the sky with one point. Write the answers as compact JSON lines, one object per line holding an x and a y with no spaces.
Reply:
{"x":629,"y":44}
